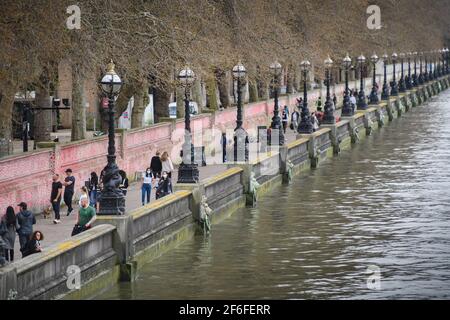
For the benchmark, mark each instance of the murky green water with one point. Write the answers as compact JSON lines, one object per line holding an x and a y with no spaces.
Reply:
{"x":385,"y":204}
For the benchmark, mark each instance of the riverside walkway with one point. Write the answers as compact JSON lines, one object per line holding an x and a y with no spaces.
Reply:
{"x":62,"y":231}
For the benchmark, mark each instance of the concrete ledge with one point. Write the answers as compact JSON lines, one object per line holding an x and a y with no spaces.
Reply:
{"x":43,"y":275}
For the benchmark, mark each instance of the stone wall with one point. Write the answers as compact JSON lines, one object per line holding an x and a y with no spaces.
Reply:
{"x":118,"y":245}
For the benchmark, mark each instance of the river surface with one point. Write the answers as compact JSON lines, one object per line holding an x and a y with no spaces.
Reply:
{"x":381,"y":211}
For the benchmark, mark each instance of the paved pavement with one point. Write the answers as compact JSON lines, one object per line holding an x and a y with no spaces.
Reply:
{"x":56,"y":233}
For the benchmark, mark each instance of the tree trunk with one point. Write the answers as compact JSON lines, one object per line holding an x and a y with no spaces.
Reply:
{"x":297,"y":79}
{"x":180,"y":102}
{"x":121,"y":104}
{"x":197,"y":95}
{"x":137,"y":115}
{"x":290,"y":80}
{"x":263,"y":90}
{"x":42,"y":118}
{"x":6,"y":108}
{"x":161,"y":102}
{"x":223,"y":87}
{"x":253,"y":91}
{"x":211,"y":95}
{"x":78,"y":107}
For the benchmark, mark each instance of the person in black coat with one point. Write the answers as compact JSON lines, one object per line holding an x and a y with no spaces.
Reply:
{"x":156,"y":165}
{"x":34,"y":244}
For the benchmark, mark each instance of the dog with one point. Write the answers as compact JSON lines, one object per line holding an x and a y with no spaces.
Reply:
{"x":47,"y":212}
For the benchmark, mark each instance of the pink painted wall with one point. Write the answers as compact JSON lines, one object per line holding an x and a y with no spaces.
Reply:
{"x":28,"y":177}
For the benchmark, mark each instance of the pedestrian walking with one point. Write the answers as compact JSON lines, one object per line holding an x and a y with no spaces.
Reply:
{"x":334,"y":100}
{"x":167,"y":164}
{"x":25,"y":221}
{"x":314,"y":121}
{"x":69,"y":190}
{"x":84,"y":194}
{"x":319,"y":103}
{"x":295,"y":120}
{"x":223,"y":142}
{"x":10,"y":222}
{"x":93,"y":189}
{"x":164,"y":186}
{"x":353,"y":101}
{"x":286,"y":109}
{"x":55,"y":197}
{"x":285,"y":120}
{"x":34,"y":244}
{"x":156,"y":165}
{"x":146,"y":186}
{"x":85,"y":218}
{"x":124,"y":183}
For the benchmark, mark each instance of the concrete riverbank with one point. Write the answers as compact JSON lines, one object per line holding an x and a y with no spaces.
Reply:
{"x":118,"y":246}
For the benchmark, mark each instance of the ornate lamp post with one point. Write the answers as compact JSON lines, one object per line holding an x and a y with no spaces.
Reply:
{"x":415,"y":78}
{"x":425,"y":75}
{"x":421,"y":80}
{"x":436,"y":71}
{"x":276,"y":120}
{"x":440,"y":54}
{"x":188,"y":170}
{"x":444,"y":53}
{"x":374,"y":94}
{"x":430,"y":61}
{"x":447,"y":57}
{"x":305,"y":126}
{"x":394,"y":86}
{"x":408,"y":79}
{"x":385,"y":93}
{"x":328,"y":117}
{"x":111,"y":198}
{"x":240,"y":135}
{"x":347,"y":109}
{"x":401,"y":83}
{"x":362,"y":104}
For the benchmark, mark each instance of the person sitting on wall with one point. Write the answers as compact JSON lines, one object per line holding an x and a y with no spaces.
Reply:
{"x":319,"y":114}
{"x":86,"y":217}
{"x":34,"y":244}
{"x":164,"y":186}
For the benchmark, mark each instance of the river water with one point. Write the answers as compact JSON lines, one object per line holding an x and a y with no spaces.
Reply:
{"x":373,"y":223}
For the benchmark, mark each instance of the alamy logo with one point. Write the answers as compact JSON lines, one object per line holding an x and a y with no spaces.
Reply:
{"x":374,"y":280}
{"x":73,"y":277}
{"x":374,"y":19}
{"x":74,"y":20}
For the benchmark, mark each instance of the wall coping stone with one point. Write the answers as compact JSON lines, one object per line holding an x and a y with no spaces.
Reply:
{"x":158,"y":204}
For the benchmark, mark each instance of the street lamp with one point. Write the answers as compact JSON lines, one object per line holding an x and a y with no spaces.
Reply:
{"x":305,"y":126}
{"x":408,"y":79}
{"x":447,"y":57}
{"x":362,"y":104}
{"x":401,"y":83}
{"x":430,"y":61}
{"x":436,"y":71}
{"x":111,"y":199}
{"x":444,"y":53}
{"x":421,"y":81}
{"x":328,"y":117}
{"x":276,"y":120}
{"x":440,"y":54}
{"x":374,"y":94}
{"x":414,"y":77}
{"x":240,"y":135}
{"x":385,"y":93}
{"x":394,"y":87}
{"x":425,"y":75}
{"x":188,"y":170}
{"x":347,"y":109}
